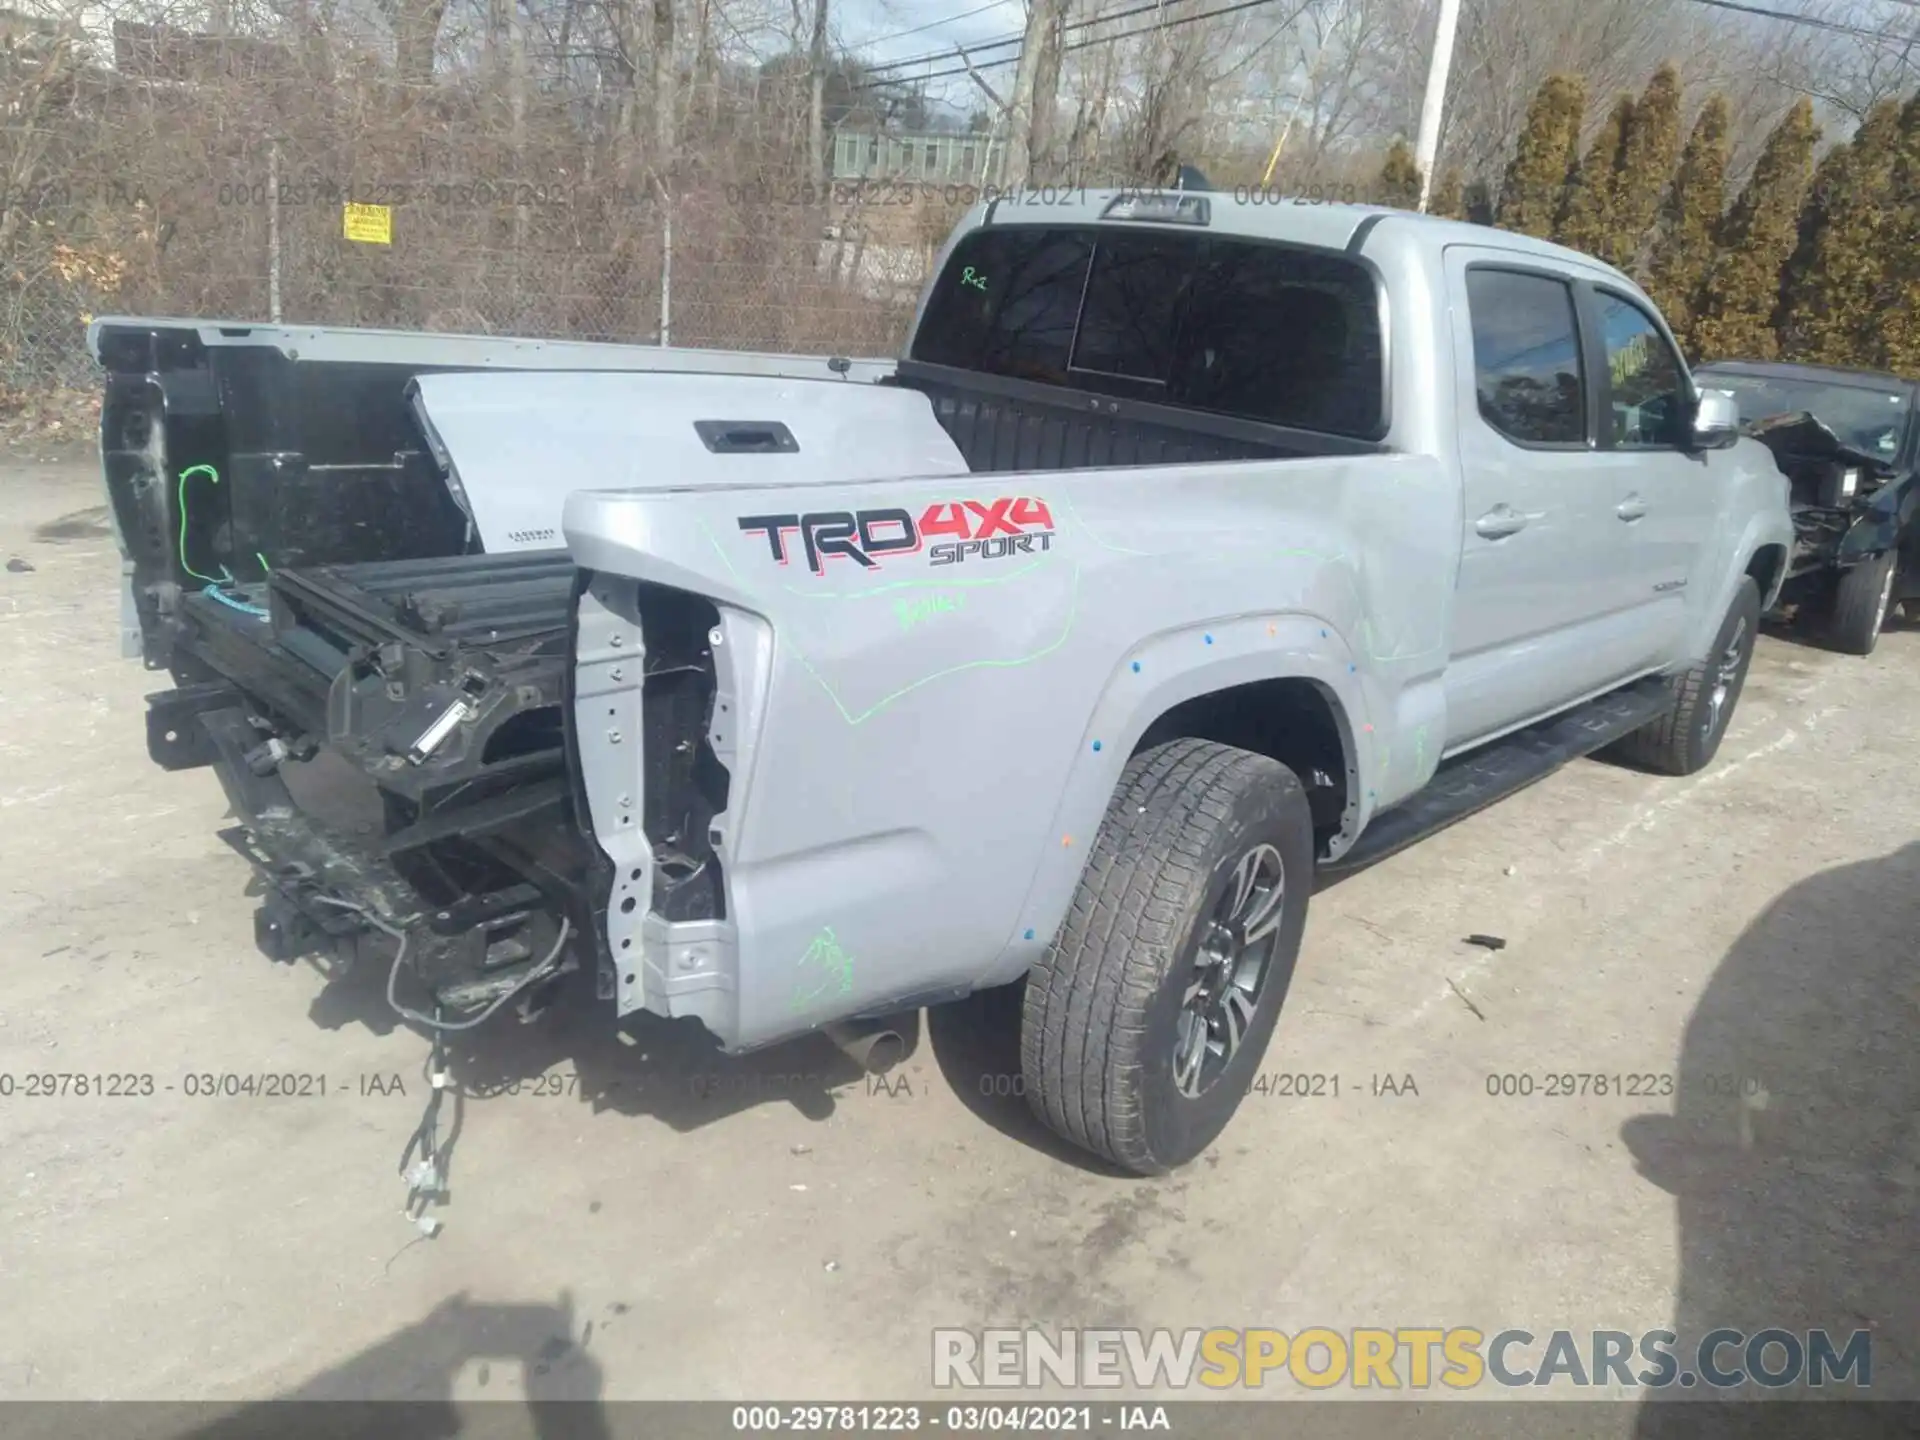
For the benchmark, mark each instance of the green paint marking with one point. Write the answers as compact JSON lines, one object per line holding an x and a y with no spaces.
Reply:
{"x":1073,"y":610}
{"x":180,"y":496}
{"x":958,"y":582}
{"x":832,"y":969}
{"x":970,"y":276}
{"x":923,"y":608}
{"x":1370,"y":647}
{"x":1066,"y":500}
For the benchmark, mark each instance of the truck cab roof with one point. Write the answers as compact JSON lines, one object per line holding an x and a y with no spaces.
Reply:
{"x":1256,"y":214}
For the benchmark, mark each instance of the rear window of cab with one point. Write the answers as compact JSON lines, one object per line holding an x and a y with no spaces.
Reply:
{"x":1255,"y":330}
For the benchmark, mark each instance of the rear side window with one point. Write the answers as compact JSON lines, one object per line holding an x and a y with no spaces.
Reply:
{"x":1260,"y":332}
{"x":1526,"y":357}
{"x":1286,"y":336}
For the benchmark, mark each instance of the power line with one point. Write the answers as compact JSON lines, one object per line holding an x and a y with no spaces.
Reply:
{"x":1812,"y":22}
{"x":963,"y":15}
{"x":1105,"y":17}
{"x":1735,"y":6}
{"x":1085,"y":44}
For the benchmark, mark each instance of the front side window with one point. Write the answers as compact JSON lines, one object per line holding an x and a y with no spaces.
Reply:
{"x":1526,"y":356}
{"x":1648,"y":387}
{"x":1259,"y":332}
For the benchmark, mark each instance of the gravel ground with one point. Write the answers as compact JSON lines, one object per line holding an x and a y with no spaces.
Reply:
{"x":632,"y":1217}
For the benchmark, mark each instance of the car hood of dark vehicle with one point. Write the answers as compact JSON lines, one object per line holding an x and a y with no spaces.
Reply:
{"x":1804,"y":436}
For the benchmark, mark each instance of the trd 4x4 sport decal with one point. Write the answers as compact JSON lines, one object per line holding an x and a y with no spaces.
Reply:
{"x":983,"y":529}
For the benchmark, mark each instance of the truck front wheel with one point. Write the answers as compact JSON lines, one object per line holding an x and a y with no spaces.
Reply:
{"x":1146,"y":1020}
{"x":1688,"y":736}
{"x":1861,"y":601}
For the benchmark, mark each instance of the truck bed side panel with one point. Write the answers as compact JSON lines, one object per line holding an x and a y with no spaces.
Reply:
{"x":915,"y":721}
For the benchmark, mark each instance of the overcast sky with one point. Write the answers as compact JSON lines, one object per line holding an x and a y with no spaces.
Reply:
{"x":871,"y":29}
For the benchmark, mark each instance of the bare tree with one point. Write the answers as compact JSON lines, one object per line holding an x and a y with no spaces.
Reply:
{"x":416,"y":30}
{"x":1035,"y":89}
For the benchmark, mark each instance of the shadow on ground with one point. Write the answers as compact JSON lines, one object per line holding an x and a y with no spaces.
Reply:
{"x":536,"y":1359}
{"x":1794,"y":1148}
{"x":544,"y":1347}
{"x":976,"y":1044}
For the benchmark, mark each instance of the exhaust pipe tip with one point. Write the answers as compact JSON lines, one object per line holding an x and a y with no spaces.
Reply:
{"x":875,"y":1047}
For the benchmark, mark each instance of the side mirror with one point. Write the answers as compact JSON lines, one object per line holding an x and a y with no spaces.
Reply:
{"x":1716,"y":421}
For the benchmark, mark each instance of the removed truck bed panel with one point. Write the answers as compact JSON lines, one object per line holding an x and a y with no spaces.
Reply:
{"x":503,"y":437}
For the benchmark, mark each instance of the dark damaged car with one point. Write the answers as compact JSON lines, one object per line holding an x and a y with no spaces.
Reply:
{"x":1846,"y":441}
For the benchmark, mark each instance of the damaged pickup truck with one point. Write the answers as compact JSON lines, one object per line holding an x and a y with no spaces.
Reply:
{"x":1848,"y":442}
{"x":1188,"y":549}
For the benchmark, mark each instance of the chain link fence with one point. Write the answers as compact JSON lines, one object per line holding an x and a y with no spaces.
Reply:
{"x":718,"y":278}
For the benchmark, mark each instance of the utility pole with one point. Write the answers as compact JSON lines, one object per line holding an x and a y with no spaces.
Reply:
{"x":1426,"y":146}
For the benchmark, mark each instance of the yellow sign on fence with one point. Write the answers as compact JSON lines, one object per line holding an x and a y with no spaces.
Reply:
{"x":369,"y":224}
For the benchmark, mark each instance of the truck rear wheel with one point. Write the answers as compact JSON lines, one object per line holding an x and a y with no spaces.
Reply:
{"x":1861,"y":601}
{"x":1144,"y":1023}
{"x":1688,"y":736}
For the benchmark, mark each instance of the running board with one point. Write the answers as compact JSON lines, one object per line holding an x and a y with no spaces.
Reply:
{"x":1478,"y":778}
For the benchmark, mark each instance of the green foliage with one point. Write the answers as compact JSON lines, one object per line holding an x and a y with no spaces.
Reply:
{"x":1533,"y":193}
{"x":1811,"y":262}
{"x":1449,"y":197}
{"x":1688,"y":223}
{"x":1896,"y":308}
{"x":1757,"y":237}
{"x":1399,"y":182}
{"x":1830,"y":289}
{"x":1647,"y":161}
{"x":1594,"y":194}
{"x":1478,"y":199}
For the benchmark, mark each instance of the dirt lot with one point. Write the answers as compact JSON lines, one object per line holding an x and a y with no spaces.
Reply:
{"x":668,"y":1224}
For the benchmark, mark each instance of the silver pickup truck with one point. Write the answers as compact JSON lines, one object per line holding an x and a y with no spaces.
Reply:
{"x":1189,"y":548}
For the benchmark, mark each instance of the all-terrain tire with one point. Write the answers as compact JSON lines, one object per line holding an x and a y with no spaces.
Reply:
{"x":1861,"y":601}
{"x":1688,"y":736}
{"x":1103,"y":1010}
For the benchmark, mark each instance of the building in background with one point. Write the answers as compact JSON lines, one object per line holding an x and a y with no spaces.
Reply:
{"x":926,"y":157}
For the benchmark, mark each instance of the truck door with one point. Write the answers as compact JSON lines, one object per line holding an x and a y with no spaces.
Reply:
{"x":1538,"y":618}
{"x":1666,"y":496}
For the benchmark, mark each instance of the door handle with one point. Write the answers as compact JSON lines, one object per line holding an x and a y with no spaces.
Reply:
{"x":1500,"y":522}
{"x":1631,"y":508}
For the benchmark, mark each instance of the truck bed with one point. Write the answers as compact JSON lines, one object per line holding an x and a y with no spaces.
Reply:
{"x":380,"y":674}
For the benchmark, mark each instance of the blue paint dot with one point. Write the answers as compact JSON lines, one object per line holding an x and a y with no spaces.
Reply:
{"x":1323,"y":634}
{"x":1352,"y":668}
{"x":1096,"y":745}
{"x":1136,"y":667}
{"x":1209,"y":639}
{"x":1029,"y":934}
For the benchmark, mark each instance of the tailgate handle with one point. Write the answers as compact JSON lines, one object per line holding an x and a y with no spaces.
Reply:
{"x":746,"y":437}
